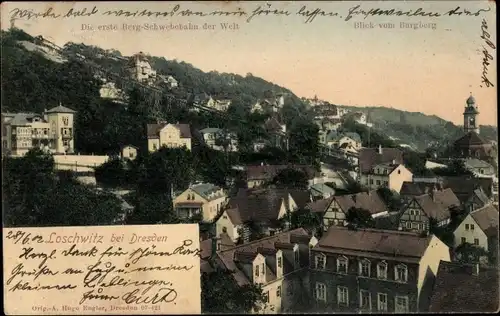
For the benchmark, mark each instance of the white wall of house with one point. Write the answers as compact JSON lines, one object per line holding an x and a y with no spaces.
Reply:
{"x":469,"y":234}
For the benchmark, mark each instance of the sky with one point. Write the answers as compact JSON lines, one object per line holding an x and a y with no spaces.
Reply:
{"x":429,"y":69}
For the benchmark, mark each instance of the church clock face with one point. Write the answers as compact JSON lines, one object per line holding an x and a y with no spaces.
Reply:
{"x":471,"y":121}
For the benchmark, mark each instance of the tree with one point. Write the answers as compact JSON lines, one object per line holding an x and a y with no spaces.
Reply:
{"x":359,"y":217}
{"x":306,"y":219}
{"x":455,"y":168}
{"x":304,"y":141}
{"x":391,"y":199}
{"x":290,"y":179}
{"x":35,"y":195}
{"x":221,"y":294}
{"x":469,"y":253}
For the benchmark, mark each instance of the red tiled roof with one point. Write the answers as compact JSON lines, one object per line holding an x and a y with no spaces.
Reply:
{"x":369,"y":157}
{"x":383,"y":242}
{"x":457,"y":290}
{"x":154,"y":129}
{"x":320,"y":206}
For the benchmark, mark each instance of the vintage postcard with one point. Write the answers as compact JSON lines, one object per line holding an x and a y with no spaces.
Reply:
{"x":249,"y":157}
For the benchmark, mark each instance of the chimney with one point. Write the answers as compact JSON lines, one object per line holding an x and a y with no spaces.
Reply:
{"x":475,"y":269}
{"x":380,"y":149}
{"x":393,"y":161}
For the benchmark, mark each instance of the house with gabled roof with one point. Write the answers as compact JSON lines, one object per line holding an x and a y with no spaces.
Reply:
{"x":203,"y":199}
{"x":279,"y":264}
{"x":169,"y":135}
{"x":390,"y":175}
{"x":333,"y":210}
{"x":372,"y":270}
{"x":479,"y":228}
{"x":368,"y":158}
{"x":255,"y":212}
{"x":436,"y":205}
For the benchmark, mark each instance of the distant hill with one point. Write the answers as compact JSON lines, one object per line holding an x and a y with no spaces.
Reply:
{"x":35,"y":77}
{"x":417,"y":129}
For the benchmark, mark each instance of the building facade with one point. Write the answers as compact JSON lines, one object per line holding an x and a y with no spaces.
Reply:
{"x":204,"y":199}
{"x":374,"y":270}
{"x":388,"y":175}
{"x":471,"y":113}
{"x":169,"y":135}
{"x":52,"y":131}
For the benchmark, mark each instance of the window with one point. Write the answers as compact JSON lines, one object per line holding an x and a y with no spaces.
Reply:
{"x":266,"y":297}
{"x":224,"y":229}
{"x":399,"y":171}
{"x":364,"y":299}
{"x":342,"y":265}
{"x":320,"y":292}
{"x":364,"y":268}
{"x":382,"y":302}
{"x":476,"y":241}
{"x":401,"y":303}
{"x":408,"y":225}
{"x":414,"y":225}
{"x":257,"y":271}
{"x":224,"y":216}
{"x":421,"y":226}
{"x":342,"y":296}
{"x":320,"y":262}
{"x":262,"y":269}
{"x":297,"y":258}
{"x":411,"y":212}
{"x":378,"y":182}
{"x":401,"y":273}
{"x":371,"y":181}
{"x":481,"y":171}
{"x":463,"y":240}
{"x":279,"y":262}
{"x":471,"y":226}
{"x":330,"y":222}
{"x":382,"y":270}
{"x":466,"y":226}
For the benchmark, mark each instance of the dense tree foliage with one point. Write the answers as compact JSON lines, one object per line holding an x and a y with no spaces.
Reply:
{"x":290,"y":178}
{"x":455,"y":167}
{"x":305,"y":219}
{"x":391,"y":199}
{"x":35,"y":195}
{"x":221,"y":294}
{"x":359,"y":218}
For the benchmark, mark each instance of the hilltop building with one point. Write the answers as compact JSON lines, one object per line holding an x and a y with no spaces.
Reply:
{"x":169,"y":135}
{"x":53,"y":131}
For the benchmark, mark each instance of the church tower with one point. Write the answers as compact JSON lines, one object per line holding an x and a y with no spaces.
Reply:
{"x":470,"y":116}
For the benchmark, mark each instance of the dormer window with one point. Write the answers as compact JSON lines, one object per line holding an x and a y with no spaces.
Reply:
{"x":320,"y":261}
{"x":342,"y":264}
{"x":401,"y":273}
{"x":257,"y":271}
{"x":364,"y":268}
{"x":382,"y":270}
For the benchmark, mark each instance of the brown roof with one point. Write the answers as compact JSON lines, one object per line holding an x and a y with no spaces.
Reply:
{"x":300,"y":197}
{"x":255,"y":208}
{"x":369,"y":157}
{"x":234,"y":216}
{"x":471,"y":138}
{"x":457,"y":290}
{"x":235,"y":258}
{"x":487,"y":219}
{"x":370,"y":201}
{"x":463,"y":186}
{"x":154,"y":129}
{"x":267,"y":172}
{"x":206,"y":245}
{"x":416,"y":188}
{"x":380,"y":242}
{"x":320,"y":206}
{"x":432,"y":208}
{"x":445,"y":197}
